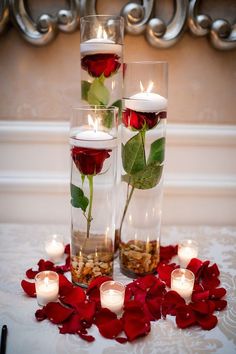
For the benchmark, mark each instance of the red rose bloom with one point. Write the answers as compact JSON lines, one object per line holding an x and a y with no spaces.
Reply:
{"x":98,"y":64}
{"x":137,"y":120}
{"x":89,"y":161}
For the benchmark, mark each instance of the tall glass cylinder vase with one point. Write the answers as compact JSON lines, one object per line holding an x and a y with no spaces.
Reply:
{"x":143,"y":151}
{"x":93,"y":184}
{"x":101,"y":49}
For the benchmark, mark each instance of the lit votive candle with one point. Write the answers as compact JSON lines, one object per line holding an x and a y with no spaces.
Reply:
{"x":182,"y":281}
{"x":112,"y":294}
{"x":47,"y":286}
{"x":187,"y":249}
{"x":54,"y":247}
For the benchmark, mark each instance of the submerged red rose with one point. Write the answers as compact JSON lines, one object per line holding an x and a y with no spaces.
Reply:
{"x":89,"y":161}
{"x":138,"y":120}
{"x":98,"y":64}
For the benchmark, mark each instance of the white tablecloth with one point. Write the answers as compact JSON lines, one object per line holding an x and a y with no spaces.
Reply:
{"x":21,"y":246}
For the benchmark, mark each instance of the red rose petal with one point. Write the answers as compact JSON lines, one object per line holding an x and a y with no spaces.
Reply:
{"x":154,"y":306}
{"x":121,"y":340}
{"x":217,"y":293}
{"x":146,"y":282}
{"x":212,"y":271}
{"x":72,"y":325}
{"x":210,"y":283}
{"x":195,"y":265}
{"x":74,"y":297}
{"x":207,"y":322}
{"x":185,"y":316}
{"x":199,"y":296}
{"x":29,"y":288}
{"x":86,"y":311}
{"x":45,"y":265}
{"x":171,"y":300}
{"x":104,"y":316}
{"x":220,"y":304}
{"x":111,"y":329}
{"x":30,"y":273}
{"x":86,"y":337}
{"x":40,"y":314}
{"x":167,"y":252}
{"x":65,"y":286}
{"x":57,"y":313}
{"x":67,"y":249}
{"x":201,"y":307}
{"x":164,"y":270}
{"x":93,"y":291}
{"x":134,"y":329}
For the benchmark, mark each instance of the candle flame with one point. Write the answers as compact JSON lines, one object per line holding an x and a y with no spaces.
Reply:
{"x":149,"y":88}
{"x":93,"y":123}
{"x":101,"y":33}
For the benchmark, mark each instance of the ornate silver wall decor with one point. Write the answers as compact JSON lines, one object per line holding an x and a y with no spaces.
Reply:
{"x":139,"y":18}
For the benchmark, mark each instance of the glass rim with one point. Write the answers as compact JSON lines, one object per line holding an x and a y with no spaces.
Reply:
{"x":112,"y":282}
{"x":147,"y":62}
{"x":113,"y":17}
{"x":183,"y":271}
{"x":94,"y":108}
{"x":46,"y":273}
{"x":188,"y":242}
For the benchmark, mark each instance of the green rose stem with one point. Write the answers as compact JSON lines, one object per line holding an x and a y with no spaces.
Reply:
{"x":129,"y":196}
{"x":89,"y":217}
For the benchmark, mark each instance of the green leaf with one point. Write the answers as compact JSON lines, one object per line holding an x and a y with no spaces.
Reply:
{"x":157,"y":151}
{"x":85,"y":86}
{"x":98,"y":94}
{"x":118,"y":104}
{"x":133,"y":155}
{"x":78,"y":199}
{"x":145,"y":179}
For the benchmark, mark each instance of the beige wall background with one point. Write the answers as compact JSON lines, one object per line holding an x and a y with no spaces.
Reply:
{"x":43,"y":83}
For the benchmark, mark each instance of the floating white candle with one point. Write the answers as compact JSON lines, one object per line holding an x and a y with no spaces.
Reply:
{"x":146,"y":101}
{"x":187,"y":249}
{"x":100,"y":45}
{"x":112,"y":296}
{"x":54,"y":247}
{"x":47,"y":286}
{"x":182,"y":281}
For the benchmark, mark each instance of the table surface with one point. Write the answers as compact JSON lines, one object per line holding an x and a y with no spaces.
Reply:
{"x":21,"y":246}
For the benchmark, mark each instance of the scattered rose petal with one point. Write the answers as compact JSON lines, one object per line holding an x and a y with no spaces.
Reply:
{"x":72,"y":325}
{"x":74,"y":297}
{"x":29,"y":288}
{"x":45,"y":265}
{"x":40,"y":314}
{"x":104,"y":316}
{"x":164,"y":270}
{"x":111,"y":329}
{"x":199,"y":296}
{"x":220,"y":304}
{"x":217,"y":293}
{"x":146,"y":282}
{"x":65,"y":286}
{"x":171,"y":300}
{"x":167,"y":252}
{"x":57,"y":313}
{"x":93,"y":289}
{"x":185,"y":316}
{"x":195,"y":265}
{"x":67,"y":249}
{"x":202,"y":307}
{"x":207,"y":322}
{"x":86,"y":337}
{"x":154,"y":307}
{"x":134,"y":328}
{"x":30,"y":273}
{"x":121,"y":340}
{"x":86,"y":311}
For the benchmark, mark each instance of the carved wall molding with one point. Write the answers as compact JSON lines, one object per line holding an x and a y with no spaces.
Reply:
{"x":140,"y":19}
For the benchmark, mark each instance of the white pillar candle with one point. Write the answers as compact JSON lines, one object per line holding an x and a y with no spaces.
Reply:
{"x":187,"y":249}
{"x":47,"y":287}
{"x":112,"y":296}
{"x":54,"y":247}
{"x":182,"y":281}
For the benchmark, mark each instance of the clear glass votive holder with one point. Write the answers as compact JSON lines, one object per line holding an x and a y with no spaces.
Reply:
{"x":187,"y":249}
{"x":182,"y":281}
{"x":112,"y":294}
{"x":54,"y":247}
{"x":47,"y":287}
